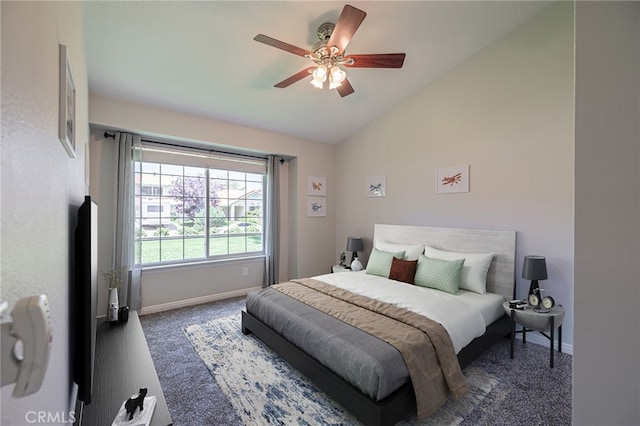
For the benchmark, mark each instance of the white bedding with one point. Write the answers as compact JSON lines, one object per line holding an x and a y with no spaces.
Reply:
{"x":465,"y":316}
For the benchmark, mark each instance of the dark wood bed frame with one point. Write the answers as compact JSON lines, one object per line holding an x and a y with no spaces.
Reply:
{"x":388,"y":411}
{"x":401,"y":403}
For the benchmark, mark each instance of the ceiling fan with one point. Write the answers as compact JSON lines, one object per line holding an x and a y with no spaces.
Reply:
{"x":328,"y":54}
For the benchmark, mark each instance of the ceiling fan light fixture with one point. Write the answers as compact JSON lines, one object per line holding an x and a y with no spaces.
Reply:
{"x":337,"y":75}
{"x":328,"y":54}
{"x":333,"y":84}
{"x":320,"y":73}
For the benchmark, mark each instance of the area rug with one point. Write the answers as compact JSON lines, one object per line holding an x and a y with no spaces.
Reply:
{"x":264,"y":389}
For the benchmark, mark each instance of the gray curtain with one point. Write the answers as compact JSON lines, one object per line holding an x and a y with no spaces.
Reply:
{"x":125,"y":253}
{"x":272,"y":221}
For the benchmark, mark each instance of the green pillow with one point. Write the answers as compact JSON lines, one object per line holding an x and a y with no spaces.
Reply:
{"x":380,"y":262}
{"x":440,"y":274}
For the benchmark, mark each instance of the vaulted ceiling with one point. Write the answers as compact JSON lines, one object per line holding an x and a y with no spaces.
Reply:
{"x":200,"y":57}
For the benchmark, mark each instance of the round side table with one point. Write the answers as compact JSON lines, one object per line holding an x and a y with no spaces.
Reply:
{"x":541,"y":322}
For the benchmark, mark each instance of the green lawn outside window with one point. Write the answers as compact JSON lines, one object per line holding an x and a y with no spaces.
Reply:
{"x":176,"y":249}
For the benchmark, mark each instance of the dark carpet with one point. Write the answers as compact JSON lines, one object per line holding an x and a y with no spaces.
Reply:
{"x":259,"y":383}
{"x":528,"y":392}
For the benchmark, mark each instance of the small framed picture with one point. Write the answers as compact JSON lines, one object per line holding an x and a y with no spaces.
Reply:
{"x":67,"y":108}
{"x":452,"y":179}
{"x":316,"y":186}
{"x":316,"y":207}
{"x":376,"y":186}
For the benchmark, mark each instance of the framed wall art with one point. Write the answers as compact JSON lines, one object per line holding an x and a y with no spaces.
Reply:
{"x":316,"y":185}
{"x":316,"y":207}
{"x":67,"y":109}
{"x":452,"y":179}
{"x":376,"y":186}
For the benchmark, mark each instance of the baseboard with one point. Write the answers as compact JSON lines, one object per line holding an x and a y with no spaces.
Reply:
{"x":145,"y":310}
{"x":538,"y":339}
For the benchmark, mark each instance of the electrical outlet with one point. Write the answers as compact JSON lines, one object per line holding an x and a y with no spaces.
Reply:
{"x":245,"y":271}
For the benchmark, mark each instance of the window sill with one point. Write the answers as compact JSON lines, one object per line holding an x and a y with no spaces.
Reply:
{"x":201,"y":264}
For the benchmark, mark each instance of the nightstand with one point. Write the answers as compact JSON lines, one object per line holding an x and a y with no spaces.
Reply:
{"x":340,"y":268}
{"x":541,"y":322}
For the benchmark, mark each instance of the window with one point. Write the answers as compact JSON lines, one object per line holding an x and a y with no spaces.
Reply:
{"x":191,"y":207}
{"x":151,"y":190}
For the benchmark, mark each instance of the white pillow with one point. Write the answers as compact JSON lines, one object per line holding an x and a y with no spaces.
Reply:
{"x":411,"y":251}
{"x":474,"y":269}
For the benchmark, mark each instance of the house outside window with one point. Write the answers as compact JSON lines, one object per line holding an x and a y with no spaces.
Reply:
{"x":185,"y":212}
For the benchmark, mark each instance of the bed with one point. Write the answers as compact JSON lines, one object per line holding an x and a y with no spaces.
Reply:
{"x":361,"y":371}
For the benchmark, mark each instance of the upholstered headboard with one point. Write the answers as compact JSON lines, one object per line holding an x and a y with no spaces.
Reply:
{"x":501,"y":275}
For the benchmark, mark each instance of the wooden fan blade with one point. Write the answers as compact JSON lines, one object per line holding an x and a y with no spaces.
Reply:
{"x":349,"y":21}
{"x":379,"y":60}
{"x":295,"y":78}
{"x":345,"y":89}
{"x":281,"y":45}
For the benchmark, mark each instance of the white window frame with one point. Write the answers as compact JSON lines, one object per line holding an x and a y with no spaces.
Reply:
{"x":207,"y":160}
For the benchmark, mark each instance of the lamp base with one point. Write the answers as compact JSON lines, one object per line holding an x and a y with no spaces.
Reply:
{"x":356,"y":265}
{"x":534,"y":287}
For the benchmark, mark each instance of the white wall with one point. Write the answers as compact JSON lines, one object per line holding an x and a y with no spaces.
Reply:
{"x":508,"y":113}
{"x":606,"y":387}
{"x":469,"y":116}
{"x":41,"y":186}
{"x":309,"y":159}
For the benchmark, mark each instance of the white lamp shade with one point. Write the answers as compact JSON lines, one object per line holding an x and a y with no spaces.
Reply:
{"x":337,"y":75}
{"x":320,"y":73}
{"x":317,"y":83}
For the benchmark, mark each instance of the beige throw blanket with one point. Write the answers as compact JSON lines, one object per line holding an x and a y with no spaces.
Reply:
{"x":424,"y":344}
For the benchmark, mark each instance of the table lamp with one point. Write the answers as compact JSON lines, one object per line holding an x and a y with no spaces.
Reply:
{"x":354,"y":244}
{"x":534,"y":269}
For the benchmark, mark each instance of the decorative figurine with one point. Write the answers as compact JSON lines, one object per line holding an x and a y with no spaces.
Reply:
{"x":343,"y":258}
{"x":134,"y":402}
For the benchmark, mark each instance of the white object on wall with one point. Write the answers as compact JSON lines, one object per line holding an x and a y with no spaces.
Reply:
{"x":26,"y":343}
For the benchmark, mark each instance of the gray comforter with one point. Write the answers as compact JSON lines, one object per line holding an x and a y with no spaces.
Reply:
{"x":372,"y":365}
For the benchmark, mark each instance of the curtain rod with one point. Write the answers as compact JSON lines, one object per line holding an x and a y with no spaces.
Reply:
{"x":210,"y":151}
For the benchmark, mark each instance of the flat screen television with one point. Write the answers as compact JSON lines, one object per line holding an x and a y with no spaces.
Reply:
{"x":84,"y":298}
